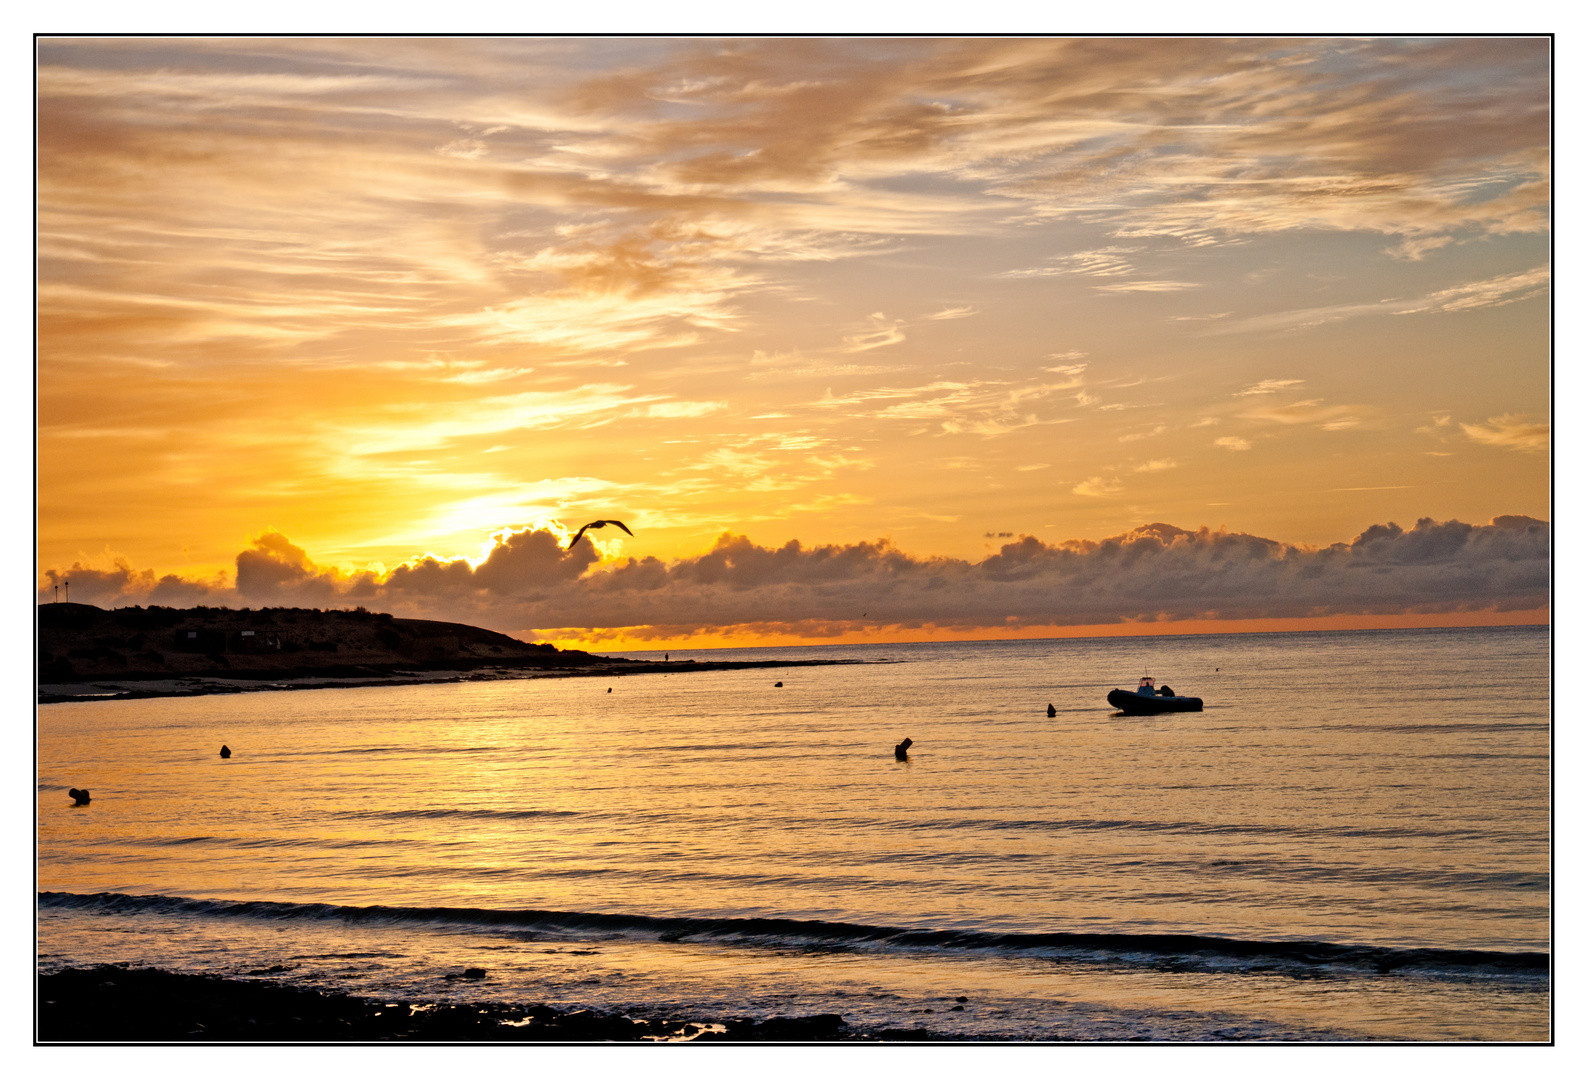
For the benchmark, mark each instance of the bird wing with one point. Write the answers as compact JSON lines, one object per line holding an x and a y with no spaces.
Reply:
{"x":577,"y":535}
{"x":620,"y":525}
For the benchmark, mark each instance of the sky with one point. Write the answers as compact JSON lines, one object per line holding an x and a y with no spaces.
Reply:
{"x":865,"y":339}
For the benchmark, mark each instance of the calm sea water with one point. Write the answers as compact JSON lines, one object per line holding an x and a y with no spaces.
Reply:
{"x":1350,"y":842}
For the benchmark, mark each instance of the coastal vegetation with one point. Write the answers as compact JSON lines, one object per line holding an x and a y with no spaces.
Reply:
{"x":79,"y":642}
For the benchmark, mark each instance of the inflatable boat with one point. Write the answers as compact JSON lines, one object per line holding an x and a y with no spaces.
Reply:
{"x":1147,"y":700}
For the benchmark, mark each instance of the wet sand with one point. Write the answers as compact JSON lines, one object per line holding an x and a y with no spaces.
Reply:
{"x":144,"y":1005}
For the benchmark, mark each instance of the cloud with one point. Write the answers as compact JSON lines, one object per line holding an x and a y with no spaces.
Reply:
{"x":884,"y":331}
{"x":1412,"y":249}
{"x":1099,"y":262}
{"x":1232,"y":442}
{"x":1327,"y":417}
{"x":97,"y":586}
{"x":1154,"y":572}
{"x":1510,"y":433}
{"x":1096,"y":487}
{"x":425,"y":425}
{"x":1489,"y":292}
{"x":1267,"y":386}
{"x":276,"y":571}
{"x":544,"y":193}
{"x":590,"y":322}
{"x":332,"y":279}
{"x":675,"y":409}
{"x":976,"y":407}
{"x":1146,"y":286}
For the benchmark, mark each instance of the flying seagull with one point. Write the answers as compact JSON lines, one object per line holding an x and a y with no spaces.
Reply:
{"x":597,"y":525}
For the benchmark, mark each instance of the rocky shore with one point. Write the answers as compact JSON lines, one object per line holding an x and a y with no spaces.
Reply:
{"x":117,"y":1004}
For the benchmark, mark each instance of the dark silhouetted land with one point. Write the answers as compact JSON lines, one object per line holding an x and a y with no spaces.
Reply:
{"x":90,"y":653}
{"x":120,"y":1004}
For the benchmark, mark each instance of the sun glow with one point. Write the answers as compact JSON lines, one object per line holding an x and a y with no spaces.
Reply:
{"x":390,"y":297}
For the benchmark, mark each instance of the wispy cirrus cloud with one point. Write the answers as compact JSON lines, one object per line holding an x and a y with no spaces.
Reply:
{"x":1493,"y":292}
{"x":1314,"y":411}
{"x":1510,"y":433}
{"x":1490,"y":292}
{"x":1292,"y":134}
{"x":882,"y":332}
{"x":976,"y":406}
{"x":1097,"y":486}
{"x":1146,"y":286}
{"x":1267,"y":386}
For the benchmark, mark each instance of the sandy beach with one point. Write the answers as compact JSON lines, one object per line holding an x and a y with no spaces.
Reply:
{"x":201,"y":685}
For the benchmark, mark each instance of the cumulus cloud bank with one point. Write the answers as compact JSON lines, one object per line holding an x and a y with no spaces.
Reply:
{"x":1154,"y":572}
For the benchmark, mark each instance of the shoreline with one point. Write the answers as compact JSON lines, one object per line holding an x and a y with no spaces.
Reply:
{"x":113,"y":1003}
{"x":201,"y":685}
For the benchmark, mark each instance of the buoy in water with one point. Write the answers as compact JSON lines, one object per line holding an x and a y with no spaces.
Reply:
{"x":226,"y":751}
{"x":777,"y":684}
{"x":901,"y":751}
{"x":1051,"y":710}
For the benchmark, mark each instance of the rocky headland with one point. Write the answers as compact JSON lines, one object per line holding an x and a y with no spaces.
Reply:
{"x":91,"y":653}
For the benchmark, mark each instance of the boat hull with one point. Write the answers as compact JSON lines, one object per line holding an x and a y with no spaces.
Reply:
{"x":1141,"y":705}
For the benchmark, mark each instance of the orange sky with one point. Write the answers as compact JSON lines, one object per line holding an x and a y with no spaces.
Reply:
{"x":386,"y":298}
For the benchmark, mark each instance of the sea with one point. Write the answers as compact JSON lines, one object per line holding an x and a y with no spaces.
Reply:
{"x":1351,"y":842}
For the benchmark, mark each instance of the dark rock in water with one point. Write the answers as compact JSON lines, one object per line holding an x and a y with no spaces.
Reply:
{"x":962,"y":999}
{"x":825,"y":1027}
{"x":143,"y":1005}
{"x":777,"y":684}
{"x":609,"y":689}
{"x":80,"y":795}
{"x":467,"y":973}
{"x":226,"y":751}
{"x":1051,"y":710}
{"x":900,"y":751}
{"x":903,"y":1035}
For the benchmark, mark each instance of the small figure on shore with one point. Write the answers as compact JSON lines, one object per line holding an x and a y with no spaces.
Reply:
{"x":609,"y":689}
{"x":777,"y":684}
{"x":226,"y":751}
{"x":1051,"y":710}
{"x":901,"y":752}
{"x":80,"y":795}
{"x":666,"y":656}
